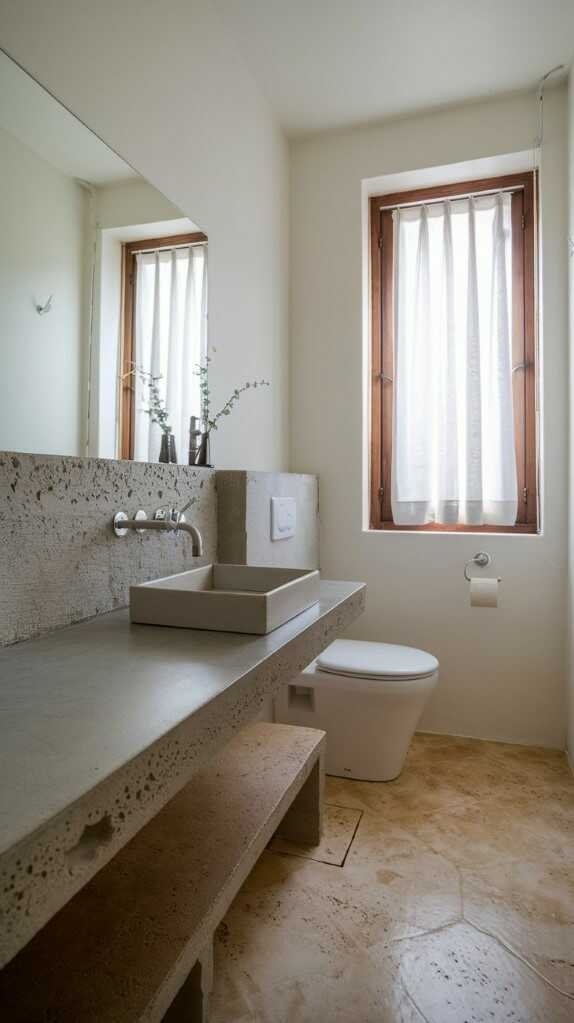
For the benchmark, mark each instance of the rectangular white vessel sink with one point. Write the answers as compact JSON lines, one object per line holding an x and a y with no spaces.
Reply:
{"x":226,"y":598}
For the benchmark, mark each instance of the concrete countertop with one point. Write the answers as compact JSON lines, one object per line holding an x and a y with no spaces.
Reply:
{"x":103,"y":722}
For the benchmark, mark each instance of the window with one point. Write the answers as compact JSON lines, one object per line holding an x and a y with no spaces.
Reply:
{"x":164,"y":333}
{"x":453,"y":401}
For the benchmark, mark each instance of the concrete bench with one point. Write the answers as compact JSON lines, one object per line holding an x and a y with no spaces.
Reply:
{"x":137,"y":942}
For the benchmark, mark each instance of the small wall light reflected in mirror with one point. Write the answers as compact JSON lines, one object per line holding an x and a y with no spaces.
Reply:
{"x":43,"y":309}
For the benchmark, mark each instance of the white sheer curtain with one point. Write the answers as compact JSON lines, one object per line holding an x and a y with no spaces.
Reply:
{"x":453,"y":441}
{"x":170,"y":340}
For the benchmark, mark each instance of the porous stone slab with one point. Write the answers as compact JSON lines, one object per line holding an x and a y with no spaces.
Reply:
{"x":104,"y":722}
{"x":122,"y":949}
{"x":60,"y":561}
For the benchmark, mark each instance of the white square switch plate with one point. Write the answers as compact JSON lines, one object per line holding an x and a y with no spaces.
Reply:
{"x":283,"y":517}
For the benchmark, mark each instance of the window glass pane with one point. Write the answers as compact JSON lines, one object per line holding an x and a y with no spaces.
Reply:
{"x":453,"y":458}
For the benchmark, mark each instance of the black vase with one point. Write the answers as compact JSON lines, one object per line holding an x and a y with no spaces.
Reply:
{"x":172,"y":451}
{"x":167,"y":452}
{"x":203,"y":450}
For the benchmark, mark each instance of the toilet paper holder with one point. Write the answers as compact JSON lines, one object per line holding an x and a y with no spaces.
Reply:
{"x":482,"y":559}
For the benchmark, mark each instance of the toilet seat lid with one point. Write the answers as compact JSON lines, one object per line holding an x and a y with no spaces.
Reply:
{"x":376,"y":660}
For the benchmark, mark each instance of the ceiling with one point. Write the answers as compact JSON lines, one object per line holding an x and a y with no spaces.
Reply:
{"x":34,"y":117}
{"x":326,"y":64}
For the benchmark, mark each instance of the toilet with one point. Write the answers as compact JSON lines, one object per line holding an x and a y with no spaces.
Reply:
{"x":368,"y":698}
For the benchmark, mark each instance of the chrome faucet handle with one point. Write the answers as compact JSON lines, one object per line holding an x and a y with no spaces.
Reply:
{"x":175,"y":521}
{"x":168,"y":520}
{"x":187,"y":505}
{"x":121,"y":517}
{"x":170,"y":515}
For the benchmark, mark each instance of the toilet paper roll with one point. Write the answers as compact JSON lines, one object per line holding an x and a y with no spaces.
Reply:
{"x":484,"y":592}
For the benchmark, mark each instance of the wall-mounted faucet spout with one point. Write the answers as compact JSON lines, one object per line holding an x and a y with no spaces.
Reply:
{"x":197,"y":540}
{"x":165,"y":520}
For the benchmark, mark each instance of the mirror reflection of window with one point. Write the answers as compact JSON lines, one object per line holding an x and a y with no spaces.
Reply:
{"x":69,"y":210}
{"x":114,"y":406}
{"x":164,"y":339}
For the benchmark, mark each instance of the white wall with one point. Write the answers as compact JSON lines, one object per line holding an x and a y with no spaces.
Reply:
{"x":132,"y":202}
{"x":503,"y":671}
{"x":200,"y":131}
{"x":42,"y":225}
{"x":571,"y":405}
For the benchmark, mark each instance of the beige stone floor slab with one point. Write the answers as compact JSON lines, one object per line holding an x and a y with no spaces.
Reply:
{"x":341,"y":823}
{"x":530,"y":907}
{"x":455,"y":902}
{"x":459,"y":974}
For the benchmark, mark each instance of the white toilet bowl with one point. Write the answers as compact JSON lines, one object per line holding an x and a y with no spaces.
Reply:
{"x":368,"y":698}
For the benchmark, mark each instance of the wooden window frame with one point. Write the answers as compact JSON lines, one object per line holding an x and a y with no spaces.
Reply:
{"x":524,"y":380}
{"x":126,"y":396}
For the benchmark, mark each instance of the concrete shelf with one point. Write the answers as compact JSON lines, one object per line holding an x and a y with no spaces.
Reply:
{"x":102,"y":723}
{"x":136,"y":942}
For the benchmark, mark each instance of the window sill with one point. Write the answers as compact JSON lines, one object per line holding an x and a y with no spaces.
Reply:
{"x":521,"y":529}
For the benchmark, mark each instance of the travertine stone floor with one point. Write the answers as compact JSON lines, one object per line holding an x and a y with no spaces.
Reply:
{"x":455,"y":903}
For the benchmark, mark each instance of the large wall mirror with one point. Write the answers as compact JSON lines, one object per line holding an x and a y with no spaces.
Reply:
{"x":103,"y":292}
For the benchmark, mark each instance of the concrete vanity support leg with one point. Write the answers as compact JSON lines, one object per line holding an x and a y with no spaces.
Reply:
{"x":191,"y":1004}
{"x":303,"y":822}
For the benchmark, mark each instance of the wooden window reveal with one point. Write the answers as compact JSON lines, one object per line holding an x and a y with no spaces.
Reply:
{"x":127,"y":342}
{"x":523,"y":214}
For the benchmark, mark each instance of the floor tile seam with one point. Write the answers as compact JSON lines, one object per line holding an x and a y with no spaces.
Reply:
{"x":429,"y":932}
{"x":518,"y":955}
{"x":302,"y":856}
{"x":503,"y":944}
{"x":353,"y":837}
{"x":411,"y":999}
{"x":315,"y":859}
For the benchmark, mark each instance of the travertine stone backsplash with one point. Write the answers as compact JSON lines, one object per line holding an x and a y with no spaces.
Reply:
{"x":60,"y":561}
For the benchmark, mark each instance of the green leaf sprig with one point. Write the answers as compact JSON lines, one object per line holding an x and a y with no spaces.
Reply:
{"x":156,"y":409}
{"x":202,"y":372}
